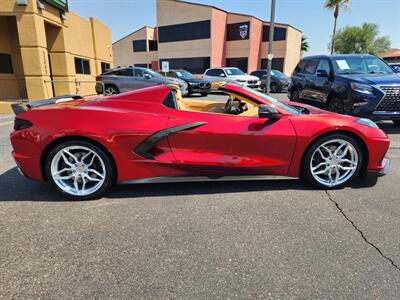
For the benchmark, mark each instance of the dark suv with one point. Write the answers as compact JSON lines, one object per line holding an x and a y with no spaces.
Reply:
{"x":360,"y":85}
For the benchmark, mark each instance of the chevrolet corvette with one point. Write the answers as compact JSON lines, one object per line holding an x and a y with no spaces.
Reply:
{"x":83,"y":147}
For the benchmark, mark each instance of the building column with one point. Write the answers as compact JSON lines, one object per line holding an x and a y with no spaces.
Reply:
{"x":34,"y":56}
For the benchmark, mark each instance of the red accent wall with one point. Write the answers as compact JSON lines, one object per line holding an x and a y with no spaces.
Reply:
{"x":256,"y":28}
{"x":218,"y":38}
{"x":154,"y":65}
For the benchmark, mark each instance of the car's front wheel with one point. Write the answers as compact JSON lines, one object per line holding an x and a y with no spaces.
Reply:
{"x":295,"y":95}
{"x":332,"y":161}
{"x":110,"y":90}
{"x":274,"y":88}
{"x":80,"y":170}
{"x":396,"y":122}
{"x":336,"y":105}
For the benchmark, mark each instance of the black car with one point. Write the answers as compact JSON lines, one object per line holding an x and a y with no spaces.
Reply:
{"x":279,"y":81}
{"x":360,"y":85}
{"x":195,"y":86}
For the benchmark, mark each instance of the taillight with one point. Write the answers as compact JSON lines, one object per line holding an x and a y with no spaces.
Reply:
{"x":97,"y":78}
{"x":20,"y":124}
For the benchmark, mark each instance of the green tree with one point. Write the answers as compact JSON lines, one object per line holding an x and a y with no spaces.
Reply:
{"x":304,"y":44}
{"x":361,"y":39}
{"x":335,"y":5}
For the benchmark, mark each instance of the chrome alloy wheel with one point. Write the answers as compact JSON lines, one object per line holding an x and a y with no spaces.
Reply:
{"x":334,"y":162}
{"x":78,"y":170}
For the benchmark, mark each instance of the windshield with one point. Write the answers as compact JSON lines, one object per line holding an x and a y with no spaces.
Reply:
{"x":360,"y":65}
{"x":277,"y":103}
{"x":184,"y":74}
{"x":277,"y":73}
{"x":154,"y":74}
{"x":234,"y":72}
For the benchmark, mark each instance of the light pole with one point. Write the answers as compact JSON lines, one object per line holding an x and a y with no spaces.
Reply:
{"x":270,"y":55}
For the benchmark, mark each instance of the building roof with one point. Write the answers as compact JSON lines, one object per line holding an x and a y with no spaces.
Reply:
{"x":234,"y":13}
{"x":390,"y":53}
{"x":124,"y":37}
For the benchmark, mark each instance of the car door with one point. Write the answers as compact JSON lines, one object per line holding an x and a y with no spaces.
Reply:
{"x":310,"y":77}
{"x":123,"y":79}
{"x":143,"y":79}
{"x":322,"y":80}
{"x":231,"y":145}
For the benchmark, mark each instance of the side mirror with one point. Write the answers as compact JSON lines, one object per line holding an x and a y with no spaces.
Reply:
{"x":322,"y":73}
{"x":268,"y":112}
{"x":147,"y":76}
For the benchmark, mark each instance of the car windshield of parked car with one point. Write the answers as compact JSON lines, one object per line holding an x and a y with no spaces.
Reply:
{"x":184,"y":74}
{"x":234,"y":72}
{"x":153,"y":74}
{"x":277,"y":73}
{"x":360,"y":65}
{"x":277,"y":103}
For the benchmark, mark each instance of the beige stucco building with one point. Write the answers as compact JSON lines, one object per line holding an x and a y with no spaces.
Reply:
{"x":41,"y":42}
{"x":196,"y":37}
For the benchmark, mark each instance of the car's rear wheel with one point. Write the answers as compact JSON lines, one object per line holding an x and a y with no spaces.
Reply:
{"x":80,"y":170}
{"x":332,"y":161}
{"x":336,"y":105}
{"x":274,"y":87}
{"x":110,"y":90}
{"x":396,"y":122}
{"x":295,"y":95}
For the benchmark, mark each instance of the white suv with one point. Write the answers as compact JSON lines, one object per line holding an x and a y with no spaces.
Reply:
{"x":232,"y":74}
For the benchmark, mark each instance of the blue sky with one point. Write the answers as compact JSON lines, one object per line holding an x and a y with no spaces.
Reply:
{"x":125,"y":16}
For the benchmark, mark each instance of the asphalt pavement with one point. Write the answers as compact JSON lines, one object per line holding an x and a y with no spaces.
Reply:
{"x":222,"y":240}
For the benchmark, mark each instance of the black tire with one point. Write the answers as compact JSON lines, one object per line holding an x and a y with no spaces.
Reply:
{"x":274,"y":87}
{"x":110,"y":90}
{"x":396,"y":122}
{"x":335,"y":105}
{"x":295,"y":95}
{"x":110,"y":175}
{"x":306,"y":173}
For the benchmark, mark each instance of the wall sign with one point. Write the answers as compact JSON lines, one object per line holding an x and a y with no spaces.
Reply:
{"x":60,"y":4}
{"x":244,"y":31}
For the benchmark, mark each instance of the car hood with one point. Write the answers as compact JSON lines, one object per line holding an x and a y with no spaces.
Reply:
{"x":243,"y":77}
{"x":174,"y":80}
{"x":194,"y":80}
{"x":372,"y":79}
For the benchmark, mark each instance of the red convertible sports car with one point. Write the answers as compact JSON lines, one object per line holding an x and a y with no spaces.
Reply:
{"x":83,"y":147}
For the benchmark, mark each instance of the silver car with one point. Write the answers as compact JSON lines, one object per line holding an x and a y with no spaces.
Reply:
{"x":124,"y":79}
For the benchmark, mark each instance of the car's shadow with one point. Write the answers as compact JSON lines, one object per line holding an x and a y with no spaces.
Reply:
{"x":15,"y":187}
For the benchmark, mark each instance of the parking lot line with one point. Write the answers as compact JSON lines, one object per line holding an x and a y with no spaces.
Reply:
{"x":6,"y":123}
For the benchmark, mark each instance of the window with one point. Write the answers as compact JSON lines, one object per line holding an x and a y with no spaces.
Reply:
{"x":300,"y":67}
{"x":143,"y":65}
{"x":184,"y":32}
{"x":238,"y":31}
{"x":311,"y":66}
{"x":82,"y":66}
{"x":124,"y":72}
{"x":153,"y":45}
{"x":324,"y":65}
{"x":279,"y":33}
{"x":216,"y":72}
{"x":240,"y":62}
{"x":6,"y":64}
{"x":104,"y":67}
{"x":139,"y":73}
{"x":277,"y":64}
{"x":195,"y":65}
{"x":139,"y":46}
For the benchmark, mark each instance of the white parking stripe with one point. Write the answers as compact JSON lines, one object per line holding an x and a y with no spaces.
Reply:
{"x":6,"y":123}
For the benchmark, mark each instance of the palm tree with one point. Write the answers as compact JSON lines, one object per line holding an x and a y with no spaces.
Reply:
{"x":335,"y":5}
{"x":304,"y":44}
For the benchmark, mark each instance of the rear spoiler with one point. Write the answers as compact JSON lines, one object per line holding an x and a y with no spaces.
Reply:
{"x":20,"y":108}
